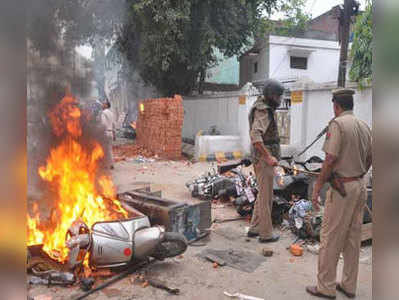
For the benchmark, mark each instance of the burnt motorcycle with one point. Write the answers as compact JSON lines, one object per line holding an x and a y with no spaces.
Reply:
{"x":120,"y":243}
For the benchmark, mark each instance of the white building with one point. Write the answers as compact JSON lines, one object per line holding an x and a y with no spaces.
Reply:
{"x":291,"y":59}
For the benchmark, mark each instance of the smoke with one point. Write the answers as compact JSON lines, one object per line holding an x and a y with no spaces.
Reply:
{"x":54,"y":67}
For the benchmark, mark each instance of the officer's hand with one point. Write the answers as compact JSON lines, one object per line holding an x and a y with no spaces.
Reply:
{"x":272,"y":161}
{"x":315,"y":198}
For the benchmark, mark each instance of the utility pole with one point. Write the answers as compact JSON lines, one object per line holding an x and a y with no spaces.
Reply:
{"x":351,"y":8}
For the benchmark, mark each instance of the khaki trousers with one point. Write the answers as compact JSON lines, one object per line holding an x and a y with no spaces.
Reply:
{"x":341,"y":232}
{"x":262,"y":216}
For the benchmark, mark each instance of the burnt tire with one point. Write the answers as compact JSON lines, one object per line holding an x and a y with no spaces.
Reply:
{"x":174,"y":244}
{"x":245,"y":210}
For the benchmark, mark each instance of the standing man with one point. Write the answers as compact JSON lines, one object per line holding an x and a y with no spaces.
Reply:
{"x":266,"y":153}
{"x":107,"y":121}
{"x":348,"y":158}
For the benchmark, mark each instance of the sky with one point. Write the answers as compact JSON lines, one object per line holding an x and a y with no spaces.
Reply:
{"x":314,"y":7}
{"x":318,"y":7}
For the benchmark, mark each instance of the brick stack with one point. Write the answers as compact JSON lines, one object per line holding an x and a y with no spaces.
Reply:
{"x":159,"y":126}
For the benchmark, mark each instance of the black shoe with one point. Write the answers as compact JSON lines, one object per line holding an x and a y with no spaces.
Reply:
{"x":273,"y":239}
{"x":252,"y":234}
{"x":341,"y":289}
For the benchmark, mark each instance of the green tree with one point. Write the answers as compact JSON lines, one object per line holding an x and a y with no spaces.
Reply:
{"x":172,"y":42}
{"x":361,"y":52}
{"x":294,"y":19}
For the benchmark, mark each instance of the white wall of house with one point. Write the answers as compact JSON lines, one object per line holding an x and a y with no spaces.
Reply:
{"x":263,"y":62}
{"x":274,"y":59}
{"x":310,"y":117}
{"x":322,"y":56}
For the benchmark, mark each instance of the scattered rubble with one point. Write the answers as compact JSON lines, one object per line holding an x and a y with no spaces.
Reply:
{"x":296,"y":250}
{"x":267,"y":252}
{"x":314,"y":249}
{"x":242,"y":296}
{"x":245,"y":261}
{"x":126,"y":151}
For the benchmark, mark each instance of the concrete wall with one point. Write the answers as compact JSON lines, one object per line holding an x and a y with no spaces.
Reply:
{"x":274,"y":60}
{"x":311,"y":116}
{"x":263,"y":60}
{"x":322,"y":61}
{"x":202,"y":112}
{"x":307,"y":119}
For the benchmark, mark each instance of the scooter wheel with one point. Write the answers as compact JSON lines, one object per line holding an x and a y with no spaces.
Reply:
{"x":173,"y":245}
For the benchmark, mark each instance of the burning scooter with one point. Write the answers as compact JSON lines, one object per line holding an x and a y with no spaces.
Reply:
{"x":121,"y":243}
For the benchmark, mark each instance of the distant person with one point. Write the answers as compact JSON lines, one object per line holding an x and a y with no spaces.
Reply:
{"x":108,"y":123}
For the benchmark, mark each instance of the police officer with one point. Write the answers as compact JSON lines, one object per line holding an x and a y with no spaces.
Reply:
{"x":266,"y":152}
{"x":348,"y":156}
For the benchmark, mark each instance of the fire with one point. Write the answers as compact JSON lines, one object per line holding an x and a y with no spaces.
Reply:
{"x":72,"y":170}
{"x":280,"y":173}
{"x":295,"y":170}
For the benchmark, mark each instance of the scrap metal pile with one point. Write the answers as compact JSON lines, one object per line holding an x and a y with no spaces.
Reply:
{"x":291,"y":189}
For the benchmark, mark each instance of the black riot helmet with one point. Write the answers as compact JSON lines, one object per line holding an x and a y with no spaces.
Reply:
{"x":272,"y":91}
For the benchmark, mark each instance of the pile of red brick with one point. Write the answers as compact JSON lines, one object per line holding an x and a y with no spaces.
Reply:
{"x":159,"y":126}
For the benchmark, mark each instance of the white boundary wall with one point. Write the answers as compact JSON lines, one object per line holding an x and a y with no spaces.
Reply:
{"x":310,"y":117}
{"x":307,"y":118}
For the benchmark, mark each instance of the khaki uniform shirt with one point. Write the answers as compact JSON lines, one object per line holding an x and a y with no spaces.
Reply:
{"x":107,"y":120}
{"x":349,"y":139}
{"x":259,"y":126}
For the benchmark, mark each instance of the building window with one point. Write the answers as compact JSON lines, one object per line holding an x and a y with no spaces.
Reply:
{"x":256,"y":67}
{"x":299,"y":62}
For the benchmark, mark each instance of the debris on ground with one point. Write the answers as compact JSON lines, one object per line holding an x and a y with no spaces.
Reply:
{"x":125,"y":151}
{"x":53,"y":278}
{"x":296,"y":250}
{"x":87,"y":283}
{"x":267,"y":252}
{"x":238,"y":259}
{"x":314,"y":249}
{"x":42,"y":297}
{"x":216,"y":260}
{"x":140,"y":160}
{"x":145,"y":282}
{"x":242,"y":296}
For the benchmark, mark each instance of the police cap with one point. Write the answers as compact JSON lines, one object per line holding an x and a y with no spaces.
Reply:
{"x":343,"y":97}
{"x":271,"y":87}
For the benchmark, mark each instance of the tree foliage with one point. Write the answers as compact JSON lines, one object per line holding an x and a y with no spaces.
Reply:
{"x":293,"y":20}
{"x":361,"y":52}
{"x":172,"y":42}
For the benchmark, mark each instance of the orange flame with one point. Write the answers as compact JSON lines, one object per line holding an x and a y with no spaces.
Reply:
{"x":295,"y":170}
{"x":72,"y":169}
{"x":280,"y":173}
